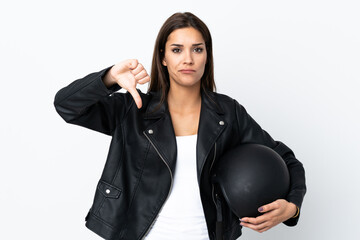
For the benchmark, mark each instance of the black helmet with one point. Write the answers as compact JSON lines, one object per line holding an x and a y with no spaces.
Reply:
{"x":249,"y":176}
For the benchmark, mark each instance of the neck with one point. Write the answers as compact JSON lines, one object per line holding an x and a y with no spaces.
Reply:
{"x":184,"y":100}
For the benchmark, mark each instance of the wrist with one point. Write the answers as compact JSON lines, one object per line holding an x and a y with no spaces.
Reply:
{"x":296,"y":213}
{"x":108,"y":79}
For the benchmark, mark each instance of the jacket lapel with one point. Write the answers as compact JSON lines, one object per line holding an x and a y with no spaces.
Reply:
{"x":162,"y":136}
{"x":211,"y":125}
{"x":161,"y":132}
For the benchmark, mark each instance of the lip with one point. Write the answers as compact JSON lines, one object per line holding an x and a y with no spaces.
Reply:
{"x":187,"y":71}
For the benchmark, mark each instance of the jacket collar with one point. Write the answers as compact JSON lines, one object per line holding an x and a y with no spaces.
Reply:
{"x":153,"y":110}
{"x":211,"y":125}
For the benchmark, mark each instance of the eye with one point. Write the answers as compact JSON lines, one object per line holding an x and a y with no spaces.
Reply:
{"x":176,"y":50}
{"x":198,"y":50}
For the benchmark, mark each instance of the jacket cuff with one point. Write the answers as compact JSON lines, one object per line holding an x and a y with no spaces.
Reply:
{"x":293,"y":220}
{"x":115,"y":87}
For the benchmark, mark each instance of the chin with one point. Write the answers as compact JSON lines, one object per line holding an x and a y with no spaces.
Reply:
{"x":189,"y":80}
{"x":189,"y":83}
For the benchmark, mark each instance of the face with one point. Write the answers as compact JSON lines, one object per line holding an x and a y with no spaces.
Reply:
{"x":185,"y":57}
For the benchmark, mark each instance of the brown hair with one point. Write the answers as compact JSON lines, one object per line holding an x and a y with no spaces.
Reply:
{"x":159,"y":74}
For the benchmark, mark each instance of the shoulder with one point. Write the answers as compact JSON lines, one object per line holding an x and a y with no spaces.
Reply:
{"x":226,"y":101}
{"x":223,"y":97}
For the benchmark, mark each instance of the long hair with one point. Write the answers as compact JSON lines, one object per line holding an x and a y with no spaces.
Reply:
{"x":159,"y":74}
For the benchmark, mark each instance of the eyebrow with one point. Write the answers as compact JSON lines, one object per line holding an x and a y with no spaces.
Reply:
{"x":180,"y":45}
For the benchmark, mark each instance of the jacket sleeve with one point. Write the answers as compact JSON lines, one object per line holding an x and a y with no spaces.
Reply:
{"x":89,"y":103}
{"x":251,"y":132}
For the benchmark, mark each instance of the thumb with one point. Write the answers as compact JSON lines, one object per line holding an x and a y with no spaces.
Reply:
{"x":265,"y":208}
{"x":269,"y":207}
{"x":262,"y":208}
{"x":134,"y":93}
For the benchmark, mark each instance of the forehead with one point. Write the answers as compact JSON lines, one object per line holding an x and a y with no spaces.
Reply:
{"x":185,"y":36}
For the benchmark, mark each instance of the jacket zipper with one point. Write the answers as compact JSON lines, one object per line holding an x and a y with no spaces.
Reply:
{"x":212,"y":185}
{"x":212,"y":194}
{"x":171,"y":185}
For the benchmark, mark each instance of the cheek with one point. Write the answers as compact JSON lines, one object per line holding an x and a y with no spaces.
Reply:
{"x":203,"y":59}
{"x":171,"y":68}
{"x":172,"y":65}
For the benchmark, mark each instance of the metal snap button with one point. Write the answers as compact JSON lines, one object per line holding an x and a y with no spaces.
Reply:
{"x":107,"y":191}
{"x":221,"y":123}
{"x":150,"y":131}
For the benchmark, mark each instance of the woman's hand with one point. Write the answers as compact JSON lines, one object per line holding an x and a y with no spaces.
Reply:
{"x":274,"y":213}
{"x":128,"y":74}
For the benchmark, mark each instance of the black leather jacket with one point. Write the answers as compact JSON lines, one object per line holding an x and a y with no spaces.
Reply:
{"x":138,"y":174}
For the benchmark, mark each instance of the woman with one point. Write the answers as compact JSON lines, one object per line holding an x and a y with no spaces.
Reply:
{"x":156,"y":181}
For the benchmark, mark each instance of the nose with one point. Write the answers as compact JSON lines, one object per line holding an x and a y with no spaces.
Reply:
{"x":188,"y":58}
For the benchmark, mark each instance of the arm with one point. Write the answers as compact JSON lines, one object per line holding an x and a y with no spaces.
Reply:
{"x":287,"y":208}
{"x":87,"y":102}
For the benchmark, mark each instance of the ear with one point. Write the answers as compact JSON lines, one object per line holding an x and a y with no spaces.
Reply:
{"x":164,"y":62}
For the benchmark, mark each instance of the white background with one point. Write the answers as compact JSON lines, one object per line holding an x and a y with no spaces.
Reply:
{"x":293,"y":64}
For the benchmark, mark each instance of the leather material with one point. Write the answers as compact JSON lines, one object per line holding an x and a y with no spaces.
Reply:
{"x":137,"y":176}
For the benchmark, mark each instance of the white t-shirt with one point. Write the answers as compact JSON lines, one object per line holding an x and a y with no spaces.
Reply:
{"x":182,"y":215}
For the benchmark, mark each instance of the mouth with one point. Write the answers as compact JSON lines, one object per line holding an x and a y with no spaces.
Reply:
{"x":187,"y":71}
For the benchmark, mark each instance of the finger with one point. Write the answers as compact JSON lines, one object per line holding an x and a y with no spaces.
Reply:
{"x":134,"y":93}
{"x":259,"y":227}
{"x":132,"y":63}
{"x":137,"y":69}
{"x":264,"y":229}
{"x":144,"y":80}
{"x":245,"y":219}
{"x":141,"y":75}
{"x":255,"y":221}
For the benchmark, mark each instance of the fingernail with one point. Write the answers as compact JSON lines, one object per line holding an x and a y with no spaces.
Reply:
{"x":261,"y":209}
